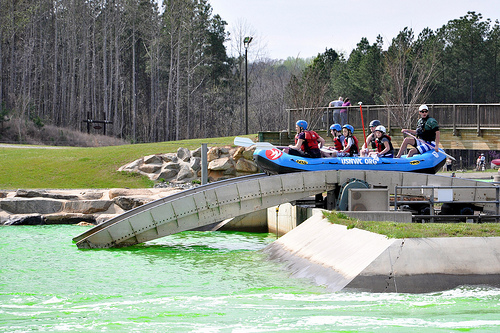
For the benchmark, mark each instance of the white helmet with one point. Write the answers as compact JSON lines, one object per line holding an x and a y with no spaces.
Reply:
{"x":423,"y":107}
{"x":380,"y":128}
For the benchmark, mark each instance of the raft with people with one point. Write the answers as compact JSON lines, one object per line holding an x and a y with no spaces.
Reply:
{"x":273,"y":160}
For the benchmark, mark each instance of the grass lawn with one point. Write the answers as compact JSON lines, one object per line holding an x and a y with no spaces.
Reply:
{"x":418,"y":230}
{"x":85,"y":168}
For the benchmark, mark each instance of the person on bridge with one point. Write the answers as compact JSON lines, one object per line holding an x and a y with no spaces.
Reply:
{"x":383,"y":144}
{"x":351,"y":147}
{"x":370,"y":139}
{"x":336,"y":112}
{"x":307,"y":143}
{"x":424,"y":138}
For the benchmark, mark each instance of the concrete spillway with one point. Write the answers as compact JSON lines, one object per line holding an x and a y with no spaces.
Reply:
{"x":342,"y":259}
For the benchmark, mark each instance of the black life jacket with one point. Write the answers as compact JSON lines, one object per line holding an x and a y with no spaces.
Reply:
{"x":380,"y":146}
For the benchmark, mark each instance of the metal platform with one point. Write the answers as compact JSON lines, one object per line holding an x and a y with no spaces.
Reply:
{"x":218,"y":201}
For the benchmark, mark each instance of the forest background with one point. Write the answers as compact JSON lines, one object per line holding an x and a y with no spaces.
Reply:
{"x":162,"y":75}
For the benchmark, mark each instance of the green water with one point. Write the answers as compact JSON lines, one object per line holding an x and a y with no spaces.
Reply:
{"x":202,"y":282}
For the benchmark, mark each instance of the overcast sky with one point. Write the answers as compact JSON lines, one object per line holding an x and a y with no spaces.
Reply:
{"x":304,"y":28}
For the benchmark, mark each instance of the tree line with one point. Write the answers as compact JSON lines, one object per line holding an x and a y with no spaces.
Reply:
{"x":161,"y":74}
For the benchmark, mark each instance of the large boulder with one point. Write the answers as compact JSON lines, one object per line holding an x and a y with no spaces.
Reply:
{"x":224,"y":163}
{"x":123,"y":192}
{"x":35,"y":219}
{"x":87,"y":206}
{"x":128,"y":203}
{"x":183,"y":154}
{"x":244,"y":165}
{"x":31,"y":205}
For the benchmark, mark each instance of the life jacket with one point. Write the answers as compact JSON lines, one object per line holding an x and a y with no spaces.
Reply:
{"x":354,"y":149}
{"x":310,"y":142}
{"x":337,"y":143}
{"x":380,"y":146}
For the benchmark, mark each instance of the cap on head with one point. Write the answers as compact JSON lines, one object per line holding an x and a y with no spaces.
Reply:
{"x":380,"y":128}
{"x":423,"y":107}
{"x":302,"y":123}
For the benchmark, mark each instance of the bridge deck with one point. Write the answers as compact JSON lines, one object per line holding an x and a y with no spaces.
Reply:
{"x":218,"y":201}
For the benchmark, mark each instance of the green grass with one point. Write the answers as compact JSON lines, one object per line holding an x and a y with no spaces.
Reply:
{"x":85,"y":168}
{"x":417,"y":230}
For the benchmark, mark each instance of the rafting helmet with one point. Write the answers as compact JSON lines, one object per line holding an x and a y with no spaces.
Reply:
{"x":349,"y":127}
{"x":423,"y":107}
{"x":380,"y":128}
{"x":336,"y":127}
{"x":375,"y":123}
{"x":302,"y":123}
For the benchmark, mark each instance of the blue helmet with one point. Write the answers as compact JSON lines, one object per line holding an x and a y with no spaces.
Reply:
{"x":349,"y":127}
{"x":375,"y":123}
{"x":336,"y":127}
{"x":302,"y":123}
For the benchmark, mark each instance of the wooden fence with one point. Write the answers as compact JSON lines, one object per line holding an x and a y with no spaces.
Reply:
{"x":452,"y":116}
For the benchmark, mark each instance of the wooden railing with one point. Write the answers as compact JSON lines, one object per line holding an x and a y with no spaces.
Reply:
{"x":452,"y":116}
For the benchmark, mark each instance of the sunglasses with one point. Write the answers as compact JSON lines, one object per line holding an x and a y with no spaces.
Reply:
{"x":424,"y":111}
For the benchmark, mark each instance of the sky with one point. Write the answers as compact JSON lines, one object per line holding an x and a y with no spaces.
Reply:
{"x":305,"y":28}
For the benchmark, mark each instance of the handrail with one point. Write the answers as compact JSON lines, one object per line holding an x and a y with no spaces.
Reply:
{"x":431,"y":201}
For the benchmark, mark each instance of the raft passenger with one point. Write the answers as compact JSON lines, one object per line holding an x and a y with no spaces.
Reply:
{"x":351,"y":147}
{"x":338,"y":142}
{"x":427,"y":135}
{"x":307,"y":143}
{"x":370,"y":139}
{"x":383,"y":144}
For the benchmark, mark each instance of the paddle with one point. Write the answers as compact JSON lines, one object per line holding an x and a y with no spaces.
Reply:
{"x":431,"y":146}
{"x":246,"y":142}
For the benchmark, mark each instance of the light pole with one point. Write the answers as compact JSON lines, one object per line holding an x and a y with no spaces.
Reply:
{"x":246,"y":42}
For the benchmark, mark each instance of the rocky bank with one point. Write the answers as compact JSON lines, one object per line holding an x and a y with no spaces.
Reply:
{"x":172,"y":172}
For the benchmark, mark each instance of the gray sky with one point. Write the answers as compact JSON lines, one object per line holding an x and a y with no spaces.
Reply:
{"x":304,"y":28}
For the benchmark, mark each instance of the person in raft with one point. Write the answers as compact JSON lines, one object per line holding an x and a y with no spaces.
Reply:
{"x":427,"y":133}
{"x":351,"y":147}
{"x":383,"y":144}
{"x":370,"y":139}
{"x":338,"y":142}
{"x":307,"y":143}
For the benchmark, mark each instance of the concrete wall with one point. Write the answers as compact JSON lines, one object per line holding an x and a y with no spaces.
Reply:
{"x":342,"y":259}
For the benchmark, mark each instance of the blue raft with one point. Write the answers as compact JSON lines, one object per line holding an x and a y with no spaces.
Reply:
{"x":275,"y":161}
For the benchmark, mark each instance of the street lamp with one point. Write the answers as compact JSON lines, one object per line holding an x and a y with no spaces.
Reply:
{"x":246,"y":42}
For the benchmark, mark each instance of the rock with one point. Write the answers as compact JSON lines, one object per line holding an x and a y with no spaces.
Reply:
{"x":3,"y":194}
{"x":238,"y":153}
{"x":69,"y":218}
{"x":92,"y":195}
{"x":132,"y":166}
{"x":85,"y":224}
{"x":87,"y":206}
{"x":183,"y":154}
{"x":248,"y":154}
{"x":196,"y":152}
{"x":167,"y":172}
{"x":150,"y":168}
{"x":213,"y":154}
{"x":26,"y":220}
{"x":128,"y":203}
{"x":195,"y":163}
{"x":122,"y":192}
{"x":185,"y":173}
{"x":221,"y":164}
{"x":44,"y":194}
{"x":244,"y":165}
{"x":170,"y":157}
{"x":153,"y":159}
{"x":31,"y":206}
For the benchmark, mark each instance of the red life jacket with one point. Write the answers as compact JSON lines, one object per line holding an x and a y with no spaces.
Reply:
{"x":380,"y":146}
{"x":337,"y":143}
{"x":310,"y":142}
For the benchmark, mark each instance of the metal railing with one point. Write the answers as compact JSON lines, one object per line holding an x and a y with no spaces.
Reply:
{"x":431,"y":201}
{"x":452,"y":116}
